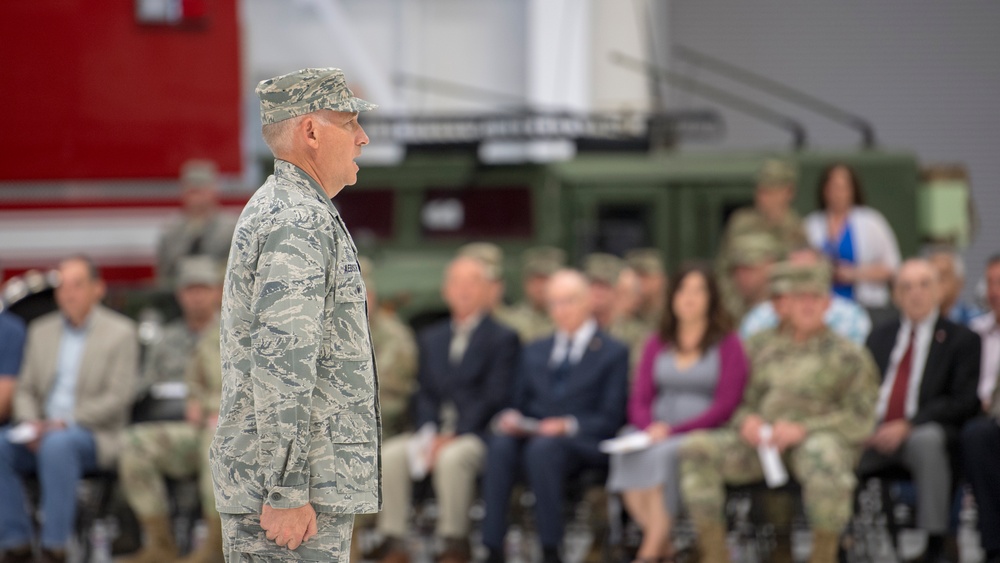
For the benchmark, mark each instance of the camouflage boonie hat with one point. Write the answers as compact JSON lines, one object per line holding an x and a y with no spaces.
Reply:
{"x":603,"y":268}
{"x":367,"y":271}
{"x":809,"y":278}
{"x":542,"y":261}
{"x":753,"y":249}
{"x":199,"y":172}
{"x":199,"y":270}
{"x":776,"y":173}
{"x":488,"y":253}
{"x":645,"y":261}
{"x":305,"y":91}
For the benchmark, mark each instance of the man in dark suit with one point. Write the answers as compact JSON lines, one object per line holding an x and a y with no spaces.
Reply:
{"x":570,"y":394}
{"x":930,"y":370}
{"x":465,"y":373}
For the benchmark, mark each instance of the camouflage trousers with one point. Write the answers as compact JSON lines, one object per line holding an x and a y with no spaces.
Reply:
{"x":822,"y":464}
{"x":244,"y":541}
{"x":155,"y":450}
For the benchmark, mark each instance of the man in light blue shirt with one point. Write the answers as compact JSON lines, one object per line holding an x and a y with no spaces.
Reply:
{"x":72,"y":400}
{"x":12,"y":336}
{"x":845,"y":317}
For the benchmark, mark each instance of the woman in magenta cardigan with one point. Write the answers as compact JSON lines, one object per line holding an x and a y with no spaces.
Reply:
{"x":690,"y":377}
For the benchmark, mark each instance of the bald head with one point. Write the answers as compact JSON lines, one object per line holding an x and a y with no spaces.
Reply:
{"x":917,"y":289}
{"x":568,"y":297}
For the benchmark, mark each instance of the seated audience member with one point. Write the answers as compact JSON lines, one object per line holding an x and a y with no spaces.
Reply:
{"x":465,"y":371}
{"x":691,"y":377}
{"x":811,"y":395}
{"x":930,"y":369}
{"x":951,"y":271}
{"x":752,"y":260}
{"x":857,"y":238}
{"x":12,"y":336}
{"x":988,"y":328}
{"x":202,"y":229}
{"x":603,"y":271}
{"x":845,"y":317}
{"x":570,"y":394}
{"x":199,"y":294}
{"x":72,"y":400}
{"x":647,"y":263}
{"x":528,"y":317}
{"x":981,"y":436}
{"x":772,"y":216}
{"x":152,"y":451}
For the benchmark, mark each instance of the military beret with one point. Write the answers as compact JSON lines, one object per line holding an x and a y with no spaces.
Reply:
{"x":489,"y":254}
{"x":776,"y":173}
{"x":603,"y":268}
{"x":645,"y":261}
{"x":199,"y":270}
{"x":542,"y":260}
{"x":305,"y":91}
{"x":754,"y":248}
{"x":198,"y":172}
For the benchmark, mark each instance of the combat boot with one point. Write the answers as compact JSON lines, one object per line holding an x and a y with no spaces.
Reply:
{"x":160,"y":544}
{"x":712,"y":546}
{"x":825,"y":546}
{"x":210,"y":551}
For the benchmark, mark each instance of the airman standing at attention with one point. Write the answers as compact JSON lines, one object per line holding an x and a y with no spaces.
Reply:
{"x":297,"y":450}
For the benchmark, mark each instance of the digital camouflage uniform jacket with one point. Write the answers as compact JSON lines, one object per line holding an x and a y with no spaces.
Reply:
{"x":299,"y":420}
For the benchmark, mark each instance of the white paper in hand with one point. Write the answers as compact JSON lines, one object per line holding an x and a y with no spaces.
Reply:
{"x":22,"y":433}
{"x":418,"y":451}
{"x":634,"y":442}
{"x":775,"y":474}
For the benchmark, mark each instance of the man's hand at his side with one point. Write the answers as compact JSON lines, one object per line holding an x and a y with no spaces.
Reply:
{"x":289,"y":527}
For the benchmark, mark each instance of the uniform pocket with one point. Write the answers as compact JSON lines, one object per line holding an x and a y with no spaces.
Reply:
{"x":353,"y":436}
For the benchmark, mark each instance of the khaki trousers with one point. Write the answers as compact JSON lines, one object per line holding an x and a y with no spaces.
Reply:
{"x":454,"y":479}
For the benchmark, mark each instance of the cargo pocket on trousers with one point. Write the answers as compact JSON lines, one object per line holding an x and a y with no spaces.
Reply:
{"x":324,"y":546}
{"x":353,"y":437}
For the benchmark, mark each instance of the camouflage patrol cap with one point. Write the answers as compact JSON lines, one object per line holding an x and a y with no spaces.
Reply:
{"x":489,"y":254}
{"x":776,"y":173}
{"x":367,"y":271}
{"x":305,"y":91}
{"x":812,"y":278}
{"x":199,"y":270}
{"x":645,"y":261}
{"x":779,"y":279}
{"x":542,"y":261}
{"x":752,"y":249}
{"x":199,"y":172}
{"x":603,"y":268}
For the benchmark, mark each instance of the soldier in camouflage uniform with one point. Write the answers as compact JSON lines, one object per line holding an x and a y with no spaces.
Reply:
{"x":529,"y":317}
{"x":647,"y":263}
{"x":603,"y":271}
{"x":296,"y":452}
{"x":771,"y":215}
{"x":817,"y":390}
{"x":202,"y":230}
{"x":491,"y":256}
{"x":753,"y":256}
{"x":175,"y":449}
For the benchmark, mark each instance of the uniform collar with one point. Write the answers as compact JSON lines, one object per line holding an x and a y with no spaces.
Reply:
{"x":290,"y":172}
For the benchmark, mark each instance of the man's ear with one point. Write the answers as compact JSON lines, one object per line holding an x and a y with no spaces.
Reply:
{"x":309,"y":131}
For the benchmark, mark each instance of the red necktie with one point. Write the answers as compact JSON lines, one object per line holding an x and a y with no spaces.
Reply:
{"x":896,"y":408}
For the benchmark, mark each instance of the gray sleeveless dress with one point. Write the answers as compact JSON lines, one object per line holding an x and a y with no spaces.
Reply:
{"x":680,"y":396}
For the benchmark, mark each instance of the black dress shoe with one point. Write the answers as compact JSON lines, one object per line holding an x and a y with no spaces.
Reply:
{"x":17,"y":555}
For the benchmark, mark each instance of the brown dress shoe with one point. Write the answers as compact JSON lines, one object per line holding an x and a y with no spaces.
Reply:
{"x":395,"y":555}
{"x":52,"y":556}
{"x":455,"y":551}
{"x":18,"y":555}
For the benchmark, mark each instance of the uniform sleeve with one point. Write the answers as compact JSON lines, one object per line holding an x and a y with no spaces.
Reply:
{"x":855,"y":419}
{"x":287,"y":307}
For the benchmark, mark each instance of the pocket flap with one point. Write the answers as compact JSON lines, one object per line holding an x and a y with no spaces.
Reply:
{"x":352,"y":428}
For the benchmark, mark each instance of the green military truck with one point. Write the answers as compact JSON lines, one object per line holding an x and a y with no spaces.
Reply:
{"x":410,"y":218}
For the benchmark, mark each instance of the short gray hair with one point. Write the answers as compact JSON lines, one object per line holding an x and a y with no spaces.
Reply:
{"x":278,"y":136}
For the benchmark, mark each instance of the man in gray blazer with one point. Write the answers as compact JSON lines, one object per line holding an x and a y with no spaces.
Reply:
{"x":72,"y":401}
